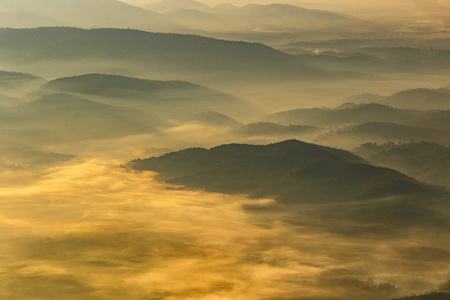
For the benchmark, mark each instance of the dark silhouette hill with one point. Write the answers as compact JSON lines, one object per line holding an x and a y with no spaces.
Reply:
{"x":291,"y":171}
{"x":182,"y":54}
{"x":426,"y":161}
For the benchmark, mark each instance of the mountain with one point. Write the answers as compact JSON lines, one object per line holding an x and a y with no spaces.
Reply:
{"x":291,"y":171}
{"x":352,"y":62}
{"x":15,"y":79}
{"x":283,"y":16}
{"x":117,"y":86}
{"x":409,"y":59}
{"x":431,"y":296}
{"x":212,"y":118}
{"x":91,"y":13}
{"x":156,"y":52}
{"x":362,"y":113}
{"x":382,"y":132}
{"x":272,"y":129}
{"x":171,"y":5}
{"x":421,"y":99}
{"x":255,"y":18}
{"x":205,"y":21}
{"x":70,"y":118}
{"x":178,"y":99}
{"x":21,"y":19}
{"x":365,"y":98}
{"x":426,"y":161}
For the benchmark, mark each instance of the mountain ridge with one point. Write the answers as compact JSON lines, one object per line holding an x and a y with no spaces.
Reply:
{"x":273,"y":170}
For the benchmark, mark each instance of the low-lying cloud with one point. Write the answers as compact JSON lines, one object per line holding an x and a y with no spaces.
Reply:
{"x":95,"y":230}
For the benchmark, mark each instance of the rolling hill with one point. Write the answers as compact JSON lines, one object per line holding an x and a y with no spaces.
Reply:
{"x":15,"y":79}
{"x":117,"y":86}
{"x":428,"y":162}
{"x":215,"y":119}
{"x":173,"y":99}
{"x":362,"y":113}
{"x":175,"y":53}
{"x":383,"y":132}
{"x":421,"y":99}
{"x":68,"y":118}
{"x":291,"y":171}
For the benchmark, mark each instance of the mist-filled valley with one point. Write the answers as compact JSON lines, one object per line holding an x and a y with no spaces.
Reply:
{"x":178,"y":149}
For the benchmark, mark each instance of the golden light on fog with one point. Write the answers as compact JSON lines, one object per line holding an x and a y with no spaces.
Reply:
{"x":95,"y":230}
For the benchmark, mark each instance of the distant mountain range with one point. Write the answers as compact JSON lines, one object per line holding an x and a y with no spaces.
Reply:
{"x":253,"y":17}
{"x":362,"y":113}
{"x":21,"y":19}
{"x":383,"y":132}
{"x":174,"y":53}
{"x":85,"y":14}
{"x":178,"y":16}
{"x":171,"y":5}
